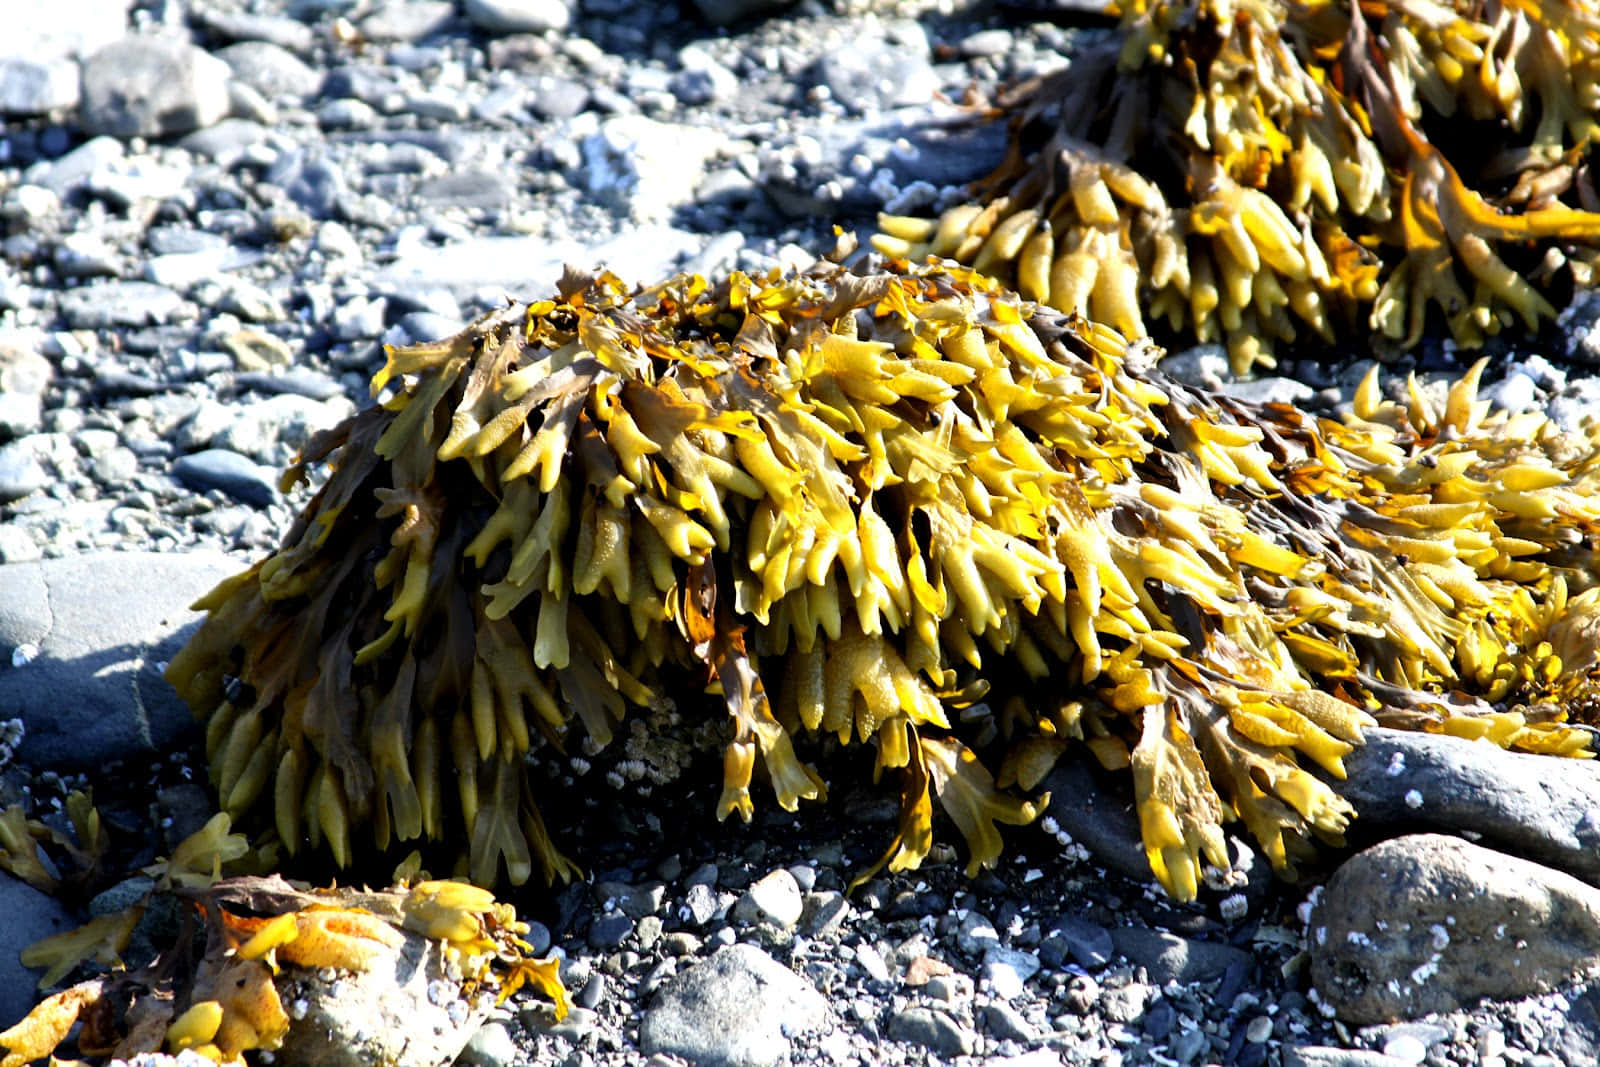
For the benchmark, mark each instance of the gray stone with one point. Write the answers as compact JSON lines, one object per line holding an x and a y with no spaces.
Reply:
{"x":1087,"y":944}
{"x":102,"y":305}
{"x":933,"y":1030}
{"x":518,"y":16}
{"x":1269,"y":390}
{"x":727,"y":12}
{"x":316,"y":184}
{"x":85,"y":255}
{"x":1204,"y":366}
{"x":824,"y":913}
{"x":491,"y":1046}
{"x":775,"y":899}
{"x":235,"y":475}
{"x":1102,"y":821}
{"x":403,"y":1009}
{"x":407,"y":20}
{"x":125,"y":182}
{"x":1007,"y":1023}
{"x":1169,"y":958}
{"x":1324,"y":1056}
{"x":555,"y":97}
{"x":1429,"y":923}
{"x":51,"y":29}
{"x":633,"y":901}
{"x":1543,"y":809}
{"x":530,"y":265}
{"x":703,"y":78}
{"x":873,"y":73}
{"x":33,"y":86}
{"x":281,"y":30}
{"x":646,"y":168}
{"x":152,"y":87}
{"x":271,"y":70}
{"x":30,"y":916}
{"x":21,"y":473}
{"x":105,"y":624}
{"x":227,"y":141}
{"x":609,"y":931}
{"x":1007,"y":969}
{"x":476,"y":189}
{"x":64,"y":174}
{"x":24,"y":376}
{"x":347,"y":113}
{"x":740,"y":1008}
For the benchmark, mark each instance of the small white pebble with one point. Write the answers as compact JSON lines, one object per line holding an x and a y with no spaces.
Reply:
{"x":1397,"y":765}
{"x":24,"y":654}
{"x":1406,"y":1047}
{"x":1259,"y":1030}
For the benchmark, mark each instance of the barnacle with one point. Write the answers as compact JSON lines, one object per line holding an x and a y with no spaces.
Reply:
{"x":906,"y":510}
{"x":1250,"y":170}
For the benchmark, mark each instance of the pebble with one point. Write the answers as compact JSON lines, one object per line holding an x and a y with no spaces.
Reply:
{"x":102,"y":305}
{"x":21,"y":473}
{"x":1087,"y":944}
{"x":738,"y":1007}
{"x":518,"y":16}
{"x":33,"y":86}
{"x":271,"y":69}
{"x":1169,"y":958}
{"x":934,"y":1030}
{"x":233,"y":474}
{"x":773,"y":899}
{"x":152,"y":86}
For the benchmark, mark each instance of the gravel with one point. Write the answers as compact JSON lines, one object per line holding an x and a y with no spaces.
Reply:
{"x":215,"y":213}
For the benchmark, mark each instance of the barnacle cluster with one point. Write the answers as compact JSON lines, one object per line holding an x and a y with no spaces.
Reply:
{"x":1247,"y":170}
{"x":227,"y":1002}
{"x":901,"y":509}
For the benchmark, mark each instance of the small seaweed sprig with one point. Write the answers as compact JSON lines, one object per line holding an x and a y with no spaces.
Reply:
{"x":1250,"y":171}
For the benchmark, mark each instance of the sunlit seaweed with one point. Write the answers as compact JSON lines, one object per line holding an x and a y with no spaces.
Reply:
{"x":905,"y":509}
{"x":1246,"y":170}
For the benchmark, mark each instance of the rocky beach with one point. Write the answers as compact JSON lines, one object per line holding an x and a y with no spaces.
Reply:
{"x":216,"y":214}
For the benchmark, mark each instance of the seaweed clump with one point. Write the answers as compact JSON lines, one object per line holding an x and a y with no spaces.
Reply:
{"x":901,"y":509}
{"x":1249,"y":170}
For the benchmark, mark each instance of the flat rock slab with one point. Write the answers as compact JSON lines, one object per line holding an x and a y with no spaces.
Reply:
{"x":29,"y":916}
{"x":83,"y":641}
{"x":1539,"y":807}
{"x":1429,"y":923}
{"x":737,"y":1009}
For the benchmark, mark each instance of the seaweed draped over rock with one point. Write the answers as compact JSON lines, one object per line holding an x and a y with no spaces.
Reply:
{"x":1249,"y":169}
{"x":906,"y":510}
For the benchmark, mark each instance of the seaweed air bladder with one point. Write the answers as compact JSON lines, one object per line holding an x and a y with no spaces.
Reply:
{"x":904,"y":510}
{"x":1263,"y":173}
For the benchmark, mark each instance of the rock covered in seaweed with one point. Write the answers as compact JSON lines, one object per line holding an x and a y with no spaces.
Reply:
{"x":905,"y":509}
{"x":1249,"y":170}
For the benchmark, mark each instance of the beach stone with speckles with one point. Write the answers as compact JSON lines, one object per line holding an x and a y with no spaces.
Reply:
{"x":1429,"y":923}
